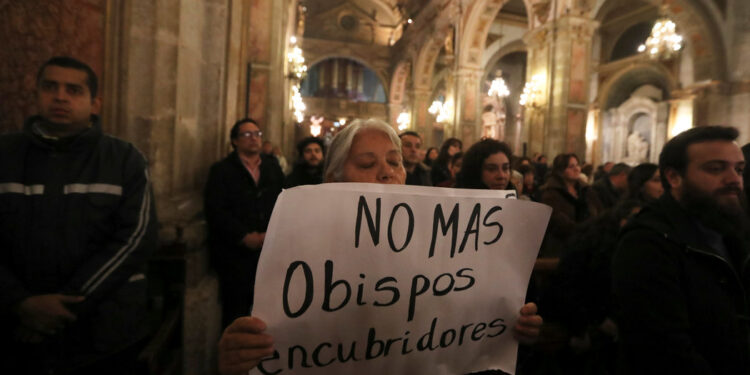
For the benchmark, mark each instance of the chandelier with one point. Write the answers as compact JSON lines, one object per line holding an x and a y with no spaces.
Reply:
{"x":498,"y":88}
{"x":664,"y":42}
{"x":297,"y":65}
{"x":443,"y":111}
{"x":297,"y":71}
{"x":532,"y":92}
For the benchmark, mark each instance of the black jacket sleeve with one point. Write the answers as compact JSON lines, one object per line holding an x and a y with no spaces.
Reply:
{"x":132,"y":242}
{"x":218,"y":203}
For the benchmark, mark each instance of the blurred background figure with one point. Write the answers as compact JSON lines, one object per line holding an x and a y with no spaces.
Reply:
{"x":440,"y":168}
{"x":644,"y":183}
{"x":430,"y":156}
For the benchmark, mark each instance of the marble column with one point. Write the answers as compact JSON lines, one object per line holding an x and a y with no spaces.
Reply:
{"x":421,"y":120}
{"x":468,"y":122}
{"x":560,"y":52}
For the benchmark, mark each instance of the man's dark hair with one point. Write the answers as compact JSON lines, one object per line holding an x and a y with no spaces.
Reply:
{"x":306,"y":142}
{"x":471,"y":169}
{"x":619,"y":168}
{"x":68,"y":62}
{"x":456,"y":157}
{"x":411,"y":133}
{"x":638,"y":177}
{"x":526,"y":169}
{"x":236,"y":128}
{"x":674,"y":154}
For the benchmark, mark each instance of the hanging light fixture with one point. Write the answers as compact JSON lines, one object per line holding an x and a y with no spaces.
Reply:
{"x":297,"y":65}
{"x":532,"y":92}
{"x":443,"y":111}
{"x":498,"y":87}
{"x":315,"y":125}
{"x":297,"y":71}
{"x":664,"y":41}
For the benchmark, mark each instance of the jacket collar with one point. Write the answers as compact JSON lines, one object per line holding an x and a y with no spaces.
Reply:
{"x":668,"y":217}
{"x":78,"y":141}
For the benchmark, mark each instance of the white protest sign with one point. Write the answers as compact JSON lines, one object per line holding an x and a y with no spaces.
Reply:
{"x":384,"y":279}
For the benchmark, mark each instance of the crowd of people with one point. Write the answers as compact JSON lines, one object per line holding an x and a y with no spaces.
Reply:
{"x":582,"y":281}
{"x":643,"y":268}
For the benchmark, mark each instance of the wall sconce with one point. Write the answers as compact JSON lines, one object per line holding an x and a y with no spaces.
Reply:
{"x":443,"y":111}
{"x":532,"y":92}
{"x":297,"y":71}
{"x":591,"y":127}
{"x":403,"y":120}
{"x":297,"y":67}
{"x":298,"y":106}
{"x":683,"y":117}
{"x":315,"y":127}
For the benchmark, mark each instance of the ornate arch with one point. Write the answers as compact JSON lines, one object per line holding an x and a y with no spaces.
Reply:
{"x":398,"y":82}
{"x":699,"y":21}
{"x":477,"y":22}
{"x":504,"y":50}
{"x":425,"y":64}
{"x":636,"y":76}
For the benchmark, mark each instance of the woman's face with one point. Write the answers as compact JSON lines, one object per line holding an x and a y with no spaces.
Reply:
{"x":496,"y":171}
{"x":433,"y":154}
{"x":653,"y":189}
{"x":456,"y":167}
{"x":528,"y":179}
{"x":572,"y":172}
{"x":373,"y":158}
{"x":453,"y":149}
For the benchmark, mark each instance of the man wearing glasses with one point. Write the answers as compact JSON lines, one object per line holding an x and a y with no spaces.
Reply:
{"x":240,"y":194}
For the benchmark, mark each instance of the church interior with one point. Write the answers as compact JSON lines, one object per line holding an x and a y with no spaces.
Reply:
{"x":609,"y":80}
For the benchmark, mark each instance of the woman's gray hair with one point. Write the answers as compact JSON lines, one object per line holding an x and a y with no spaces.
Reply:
{"x":342,"y":143}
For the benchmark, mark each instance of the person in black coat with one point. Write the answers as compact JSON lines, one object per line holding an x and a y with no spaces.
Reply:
{"x":610,"y":189}
{"x":680,"y":271}
{"x":239,"y":197}
{"x":77,"y":228}
{"x":308,"y":170}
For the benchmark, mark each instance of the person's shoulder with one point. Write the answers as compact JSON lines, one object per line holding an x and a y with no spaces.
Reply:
{"x":424,"y":167}
{"x":121,"y":148}
{"x":271,"y":162}
{"x":10,"y":141}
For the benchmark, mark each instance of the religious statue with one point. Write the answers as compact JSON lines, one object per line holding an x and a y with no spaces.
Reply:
{"x":637,"y":148}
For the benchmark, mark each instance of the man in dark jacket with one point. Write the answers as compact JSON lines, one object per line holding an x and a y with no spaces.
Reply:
{"x":680,"y":273}
{"x":417,"y":173}
{"x":308,"y":170}
{"x":608,"y":190}
{"x":240,"y":194}
{"x":77,"y":226}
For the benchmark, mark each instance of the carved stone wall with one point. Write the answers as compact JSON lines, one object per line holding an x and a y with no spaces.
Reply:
{"x":33,"y":31}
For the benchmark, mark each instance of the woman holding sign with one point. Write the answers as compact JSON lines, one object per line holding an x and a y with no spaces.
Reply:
{"x":365,"y":151}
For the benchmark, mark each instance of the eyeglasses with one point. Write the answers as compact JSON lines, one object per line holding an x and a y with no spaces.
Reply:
{"x":255,"y":133}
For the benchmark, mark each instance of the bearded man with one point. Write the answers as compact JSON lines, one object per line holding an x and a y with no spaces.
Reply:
{"x":680,"y":273}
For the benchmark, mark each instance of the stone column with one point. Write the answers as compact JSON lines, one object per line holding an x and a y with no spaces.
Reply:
{"x":560,"y":51}
{"x":468,"y":122}
{"x":421,"y":120}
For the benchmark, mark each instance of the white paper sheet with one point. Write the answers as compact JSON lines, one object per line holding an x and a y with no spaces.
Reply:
{"x":402,"y":296}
